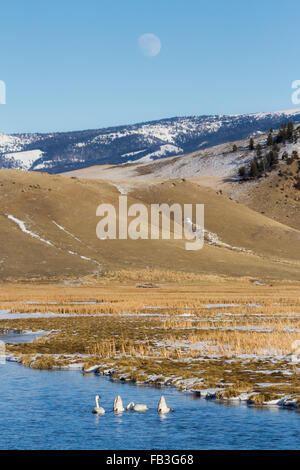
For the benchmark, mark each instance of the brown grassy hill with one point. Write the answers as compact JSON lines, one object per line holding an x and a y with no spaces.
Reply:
{"x":276,"y":195}
{"x":62,"y":211}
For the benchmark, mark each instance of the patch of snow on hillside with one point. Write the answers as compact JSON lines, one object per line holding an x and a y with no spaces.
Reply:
{"x":164,"y":150}
{"x":22,"y":226}
{"x":120,"y":189}
{"x":85,"y":258}
{"x":108,"y":138}
{"x":10,"y":143}
{"x":167,"y":131}
{"x":289,"y":148}
{"x":16,"y":143}
{"x":130,"y":154}
{"x":287,"y":112}
{"x":43,"y":165}
{"x":25,"y":159}
{"x":215,"y":161}
{"x":7,"y":140}
{"x":212,"y":238}
{"x":66,"y":231}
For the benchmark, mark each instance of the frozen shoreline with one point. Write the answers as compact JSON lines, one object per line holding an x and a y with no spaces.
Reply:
{"x":285,"y":402}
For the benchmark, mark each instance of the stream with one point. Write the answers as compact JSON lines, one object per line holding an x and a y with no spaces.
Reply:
{"x":42,"y":409}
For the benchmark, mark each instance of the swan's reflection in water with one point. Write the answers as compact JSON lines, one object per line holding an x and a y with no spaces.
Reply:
{"x":162,"y":417}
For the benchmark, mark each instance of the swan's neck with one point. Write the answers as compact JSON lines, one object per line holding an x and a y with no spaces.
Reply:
{"x":129,"y":405}
{"x":97,"y":402}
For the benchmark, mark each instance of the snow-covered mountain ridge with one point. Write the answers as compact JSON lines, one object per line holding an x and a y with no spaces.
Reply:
{"x":66,"y":151}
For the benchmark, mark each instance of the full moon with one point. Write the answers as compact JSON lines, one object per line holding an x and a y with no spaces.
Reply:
{"x":149,"y":44}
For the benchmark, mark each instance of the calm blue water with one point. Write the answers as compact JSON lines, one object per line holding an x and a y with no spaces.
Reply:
{"x":52,"y":410}
{"x":13,"y":337}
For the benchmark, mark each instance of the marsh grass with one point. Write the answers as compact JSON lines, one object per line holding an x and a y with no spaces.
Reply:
{"x":230,"y":348}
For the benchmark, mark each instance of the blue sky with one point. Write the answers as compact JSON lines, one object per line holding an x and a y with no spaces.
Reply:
{"x":72,"y":64}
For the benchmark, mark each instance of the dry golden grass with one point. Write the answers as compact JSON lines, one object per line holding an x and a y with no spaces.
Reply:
{"x":118,"y":298}
{"x":230,"y":348}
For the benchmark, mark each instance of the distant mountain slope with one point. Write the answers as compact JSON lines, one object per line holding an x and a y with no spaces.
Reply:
{"x":217,"y":161}
{"x":67,"y":151}
{"x":275,"y":193}
{"x":221,"y":161}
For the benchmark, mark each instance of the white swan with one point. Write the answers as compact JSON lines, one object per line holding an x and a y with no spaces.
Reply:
{"x":118,"y":405}
{"x":162,"y":406}
{"x":136,"y":407}
{"x":98,"y":409}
